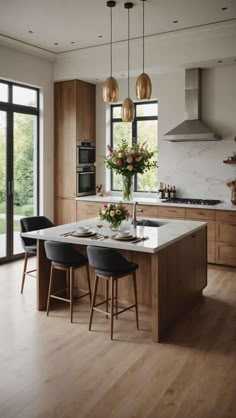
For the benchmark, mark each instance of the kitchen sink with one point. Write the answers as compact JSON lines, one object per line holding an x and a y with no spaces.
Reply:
{"x":149,"y":222}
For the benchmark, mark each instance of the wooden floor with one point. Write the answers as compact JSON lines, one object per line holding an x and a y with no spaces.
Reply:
{"x":50,"y":368}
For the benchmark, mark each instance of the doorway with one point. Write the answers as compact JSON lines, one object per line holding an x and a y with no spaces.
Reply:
{"x":19,"y":163}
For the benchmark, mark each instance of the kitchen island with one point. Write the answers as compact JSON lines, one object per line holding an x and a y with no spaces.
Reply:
{"x":172,"y":266}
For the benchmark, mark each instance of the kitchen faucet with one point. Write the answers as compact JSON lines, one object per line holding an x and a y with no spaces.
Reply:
{"x":135,"y":210}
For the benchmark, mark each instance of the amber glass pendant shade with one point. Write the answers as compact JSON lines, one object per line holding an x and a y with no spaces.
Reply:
{"x":110,"y":90}
{"x":128,"y":110}
{"x":143,"y":87}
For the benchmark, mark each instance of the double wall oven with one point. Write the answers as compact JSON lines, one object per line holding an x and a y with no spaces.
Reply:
{"x":85,"y":171}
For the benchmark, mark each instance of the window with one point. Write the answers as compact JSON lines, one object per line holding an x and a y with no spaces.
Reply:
{"x":143,"y":129}
{"x":19,"y":176}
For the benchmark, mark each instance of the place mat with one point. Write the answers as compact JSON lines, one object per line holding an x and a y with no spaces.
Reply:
{"x":119,"y":238}
{"x":83,"y":234}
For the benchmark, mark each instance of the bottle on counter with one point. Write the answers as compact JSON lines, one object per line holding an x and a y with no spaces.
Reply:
{"x":173,"y":193}
{"x":166,"y":193}
{"x":161,"y":191}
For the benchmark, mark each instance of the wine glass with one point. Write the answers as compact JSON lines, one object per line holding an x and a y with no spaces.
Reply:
{"x":99,"y":225}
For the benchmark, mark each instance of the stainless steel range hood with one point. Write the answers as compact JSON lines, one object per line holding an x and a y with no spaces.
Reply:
{"x":192,"y":129}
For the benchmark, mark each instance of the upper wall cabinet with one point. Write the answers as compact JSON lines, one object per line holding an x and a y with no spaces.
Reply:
{"x":85,"y":111}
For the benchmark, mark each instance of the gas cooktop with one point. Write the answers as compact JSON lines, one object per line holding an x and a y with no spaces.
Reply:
{"x":204,"y":202}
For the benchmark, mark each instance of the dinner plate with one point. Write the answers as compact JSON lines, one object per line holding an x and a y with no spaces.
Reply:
{"x":90,"y":233}
{"x":128,"y":238}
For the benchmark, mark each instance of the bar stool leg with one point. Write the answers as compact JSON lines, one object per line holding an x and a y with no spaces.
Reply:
{"x":67,"y":283}
{"x":135,"y":297}
{"x":71,"y":293}
{"x":107,"y":295}
{"x":112,"y":306}
{"x":89,"y":284}
{"x":49,"y":289}
{"x":93,"y":300}
{"x":116,"y":298}
{"x":24,"y":271}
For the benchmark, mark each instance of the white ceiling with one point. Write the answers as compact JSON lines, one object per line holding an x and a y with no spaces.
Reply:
{"x":83,"y":21}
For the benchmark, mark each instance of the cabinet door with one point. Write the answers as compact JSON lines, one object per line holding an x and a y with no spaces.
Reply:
{"x":225,"y":254}
{"x":226,"y":215}
{"x":86,"y":210}
{"x":211,"y":252}
{"x":65,"y":211}
{"x":226,"y":232}
{"x":201,"y":214}
{"x":147,"y":211}
{"x":65,"y":139}
{"x":85,"y":111}
{"x":171,"y":212}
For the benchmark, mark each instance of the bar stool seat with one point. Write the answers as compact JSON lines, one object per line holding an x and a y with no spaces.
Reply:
{"x":65,"y":257}
{"x":111,"y":266}
{"x":27,"y":224}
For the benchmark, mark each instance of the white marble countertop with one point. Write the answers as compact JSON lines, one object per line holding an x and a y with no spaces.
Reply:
{"x":155,"y":201}
{"x":158,"y":237}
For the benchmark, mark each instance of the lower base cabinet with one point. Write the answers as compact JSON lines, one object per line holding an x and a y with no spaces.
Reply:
{"x":225,"y":254}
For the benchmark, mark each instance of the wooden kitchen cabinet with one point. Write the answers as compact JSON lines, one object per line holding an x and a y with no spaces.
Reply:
{"x":74,"y":119}
{"x":171,"y":212}
{"x":226,"y":232}
{"x":225,"y":254}
{"x":65,"y":210}
{"x":200,"y":214}
{"x":86,"y":210}
{"x":148,"y":211}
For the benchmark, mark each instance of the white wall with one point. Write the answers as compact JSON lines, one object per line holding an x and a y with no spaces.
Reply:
{"x":196,"y":168}
{"x":28,"y":69}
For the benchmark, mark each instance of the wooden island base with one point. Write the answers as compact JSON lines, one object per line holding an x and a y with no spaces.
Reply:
{"x":169,"y":281}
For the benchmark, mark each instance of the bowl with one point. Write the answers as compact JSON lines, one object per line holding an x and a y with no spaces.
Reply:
{"x":83,"y":229}
{"x":124,"y":233}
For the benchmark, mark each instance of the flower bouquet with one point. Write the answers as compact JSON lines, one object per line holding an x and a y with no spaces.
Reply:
{"x":129,"y":161}
{"x":114,"y":213}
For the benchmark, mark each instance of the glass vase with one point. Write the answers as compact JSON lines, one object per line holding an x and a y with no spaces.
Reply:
{"x":128,"y":187}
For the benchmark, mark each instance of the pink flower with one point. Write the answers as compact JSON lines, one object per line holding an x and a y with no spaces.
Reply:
{"x":130,"y":167}
{"x":129,"y":159}
{"x":112,"y":213}
{"x":138,"y":158}
{"x":109,"y":148}
{"x":118,"y":162}
{"x":105,"y":206}
{"x":118,"y":212}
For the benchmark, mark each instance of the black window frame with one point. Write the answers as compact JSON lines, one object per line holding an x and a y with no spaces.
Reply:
{"x":134,"y":136}
{"x":10,"y":108}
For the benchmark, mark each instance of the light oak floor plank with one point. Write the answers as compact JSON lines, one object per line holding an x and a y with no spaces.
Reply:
{"x":50,"y":368}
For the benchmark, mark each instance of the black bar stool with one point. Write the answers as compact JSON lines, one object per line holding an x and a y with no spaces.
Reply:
{"x":31,"y":223}
{"x":111,"y":266}
{"x":65,"y":257}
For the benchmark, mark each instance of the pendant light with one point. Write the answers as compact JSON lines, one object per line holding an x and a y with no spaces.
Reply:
{"x":110,"y":87}
{"x":143,"y":83}
{"x":128,"y":105}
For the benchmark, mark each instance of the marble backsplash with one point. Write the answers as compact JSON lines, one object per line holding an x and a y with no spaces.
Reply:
{"x":197,"y":169}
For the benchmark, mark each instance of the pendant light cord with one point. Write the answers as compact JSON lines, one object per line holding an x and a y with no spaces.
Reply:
{"x":143,"y":35}
{"x":111,"y":41}
{"x":128,"y":52}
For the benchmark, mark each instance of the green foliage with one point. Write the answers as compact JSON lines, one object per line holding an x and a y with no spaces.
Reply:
{"x":24,"y":127}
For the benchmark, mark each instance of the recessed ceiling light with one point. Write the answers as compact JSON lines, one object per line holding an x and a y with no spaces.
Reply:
{"x":175,"y":21}
{"x":30,"y":31}
{"x":219,"y":61}
{"x":224,"y":8}
{"x":72,"y":42}
{"x":100,"y":36}
{"x":55,"y":43}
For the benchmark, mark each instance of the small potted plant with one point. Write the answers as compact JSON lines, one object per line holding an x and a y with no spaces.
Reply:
{"x":114,"y":214}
